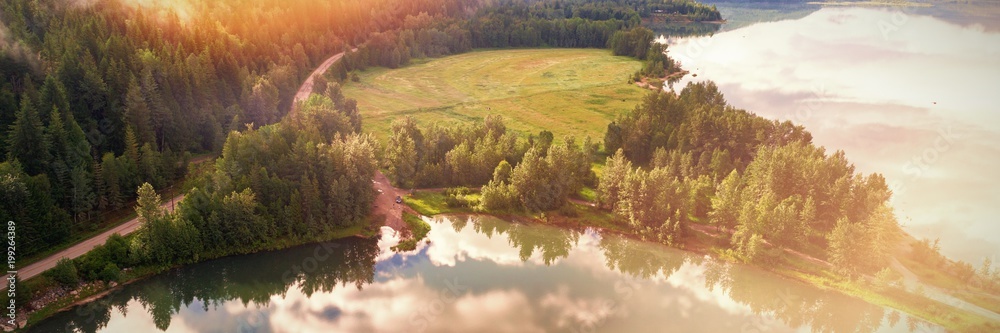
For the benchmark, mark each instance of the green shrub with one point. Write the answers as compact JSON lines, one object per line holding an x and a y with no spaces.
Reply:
{"x":89,"y":265}
{"x":110,"y":273}
{"x":64,"y":273}
{"x":117,"y":248}
{"x":568,"y":210}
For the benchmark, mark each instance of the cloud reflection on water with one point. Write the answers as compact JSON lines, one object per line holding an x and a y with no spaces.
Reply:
{"x":885,"y":99}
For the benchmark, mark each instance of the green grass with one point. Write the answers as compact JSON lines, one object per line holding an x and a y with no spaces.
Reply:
{"x":418,"y":230}
{"x":908,"y":302}
{"x":432,"y":203}
{"x":567,"y":91}
{"x":588,"y":194}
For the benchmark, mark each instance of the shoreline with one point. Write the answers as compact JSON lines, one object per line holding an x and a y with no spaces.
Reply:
{"x":864,"y":288}
{"x":105,"y":289}
{"x":691,"y":244}
{"x":872,"y":4}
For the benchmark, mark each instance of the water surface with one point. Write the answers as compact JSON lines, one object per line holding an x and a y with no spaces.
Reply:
{"x":478,"y":274}
{"x":913,"y":93}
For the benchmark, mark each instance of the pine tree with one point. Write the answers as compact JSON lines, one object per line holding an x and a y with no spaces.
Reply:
{"x":138,"y":113}
{"x":26,"y":140}
{"x":82,"y":194}
{"x":53,"y":96}
{"x":111,"y":176}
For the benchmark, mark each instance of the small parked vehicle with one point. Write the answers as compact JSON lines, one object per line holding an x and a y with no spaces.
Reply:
{"x":399,"y":199}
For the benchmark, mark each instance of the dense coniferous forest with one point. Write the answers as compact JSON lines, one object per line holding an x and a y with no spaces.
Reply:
{"x":98,"y":97}
{"x":675,"y":161}
{"x":581,"y":24}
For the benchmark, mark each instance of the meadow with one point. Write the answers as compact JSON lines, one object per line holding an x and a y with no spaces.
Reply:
{"x":567,"y":91}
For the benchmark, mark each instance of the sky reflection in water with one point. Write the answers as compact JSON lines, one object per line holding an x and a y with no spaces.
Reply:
{"x":480,"y":274}
{"x":907,"y":95}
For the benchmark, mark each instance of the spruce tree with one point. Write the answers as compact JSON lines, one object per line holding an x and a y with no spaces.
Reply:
{"x":26,"y":140}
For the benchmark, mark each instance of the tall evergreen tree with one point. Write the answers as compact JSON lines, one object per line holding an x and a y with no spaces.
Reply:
{"x":26,"y":140}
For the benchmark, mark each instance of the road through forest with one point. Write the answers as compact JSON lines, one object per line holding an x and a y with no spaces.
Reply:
{"x":132,"y":225}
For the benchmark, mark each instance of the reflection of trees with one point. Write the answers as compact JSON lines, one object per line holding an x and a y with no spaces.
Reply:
{"x":554,"y":243}
{"x":679,"y":29}
{"x":249,"y":279}
{"x":641,"y":259}
{"x":796,"y":304}
{"x":256,"y":278}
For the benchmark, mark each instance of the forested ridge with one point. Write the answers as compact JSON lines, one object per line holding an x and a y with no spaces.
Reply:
{"x":580,"y":24}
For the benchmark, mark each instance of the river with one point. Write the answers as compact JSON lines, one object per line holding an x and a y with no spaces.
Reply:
{"x":477,"y":274}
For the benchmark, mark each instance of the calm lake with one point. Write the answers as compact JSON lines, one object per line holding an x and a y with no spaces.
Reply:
{"x":909,"y":92}
{"x":477,"y":274}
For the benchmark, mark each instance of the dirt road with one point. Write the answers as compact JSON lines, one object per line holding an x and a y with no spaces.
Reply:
{"x":385,"y":206}
{"x":385,"y":203}
{"x":307,"y":85}
{"x":128,"y":227}
{"x":83,"y":247}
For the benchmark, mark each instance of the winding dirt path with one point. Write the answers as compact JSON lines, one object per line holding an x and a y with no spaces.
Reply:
{"x":385,"y":206}
{"x":307,"y":86}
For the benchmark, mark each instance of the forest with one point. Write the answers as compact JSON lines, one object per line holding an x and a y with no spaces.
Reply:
{"x":577,"y":24}
{"x":100,"y":97}
{"x":106,"y":106}
{"x":118,"y":97}
{"x":673,"y":161}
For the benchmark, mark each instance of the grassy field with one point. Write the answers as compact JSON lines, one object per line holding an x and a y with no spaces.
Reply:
{"x":567,"y":91}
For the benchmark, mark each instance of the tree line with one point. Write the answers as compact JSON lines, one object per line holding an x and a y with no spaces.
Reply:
{"x":615,"y":25}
